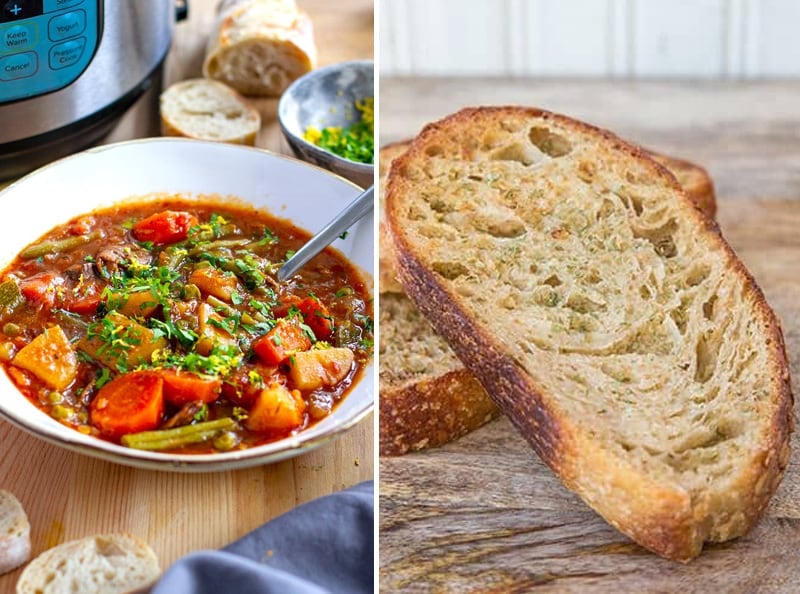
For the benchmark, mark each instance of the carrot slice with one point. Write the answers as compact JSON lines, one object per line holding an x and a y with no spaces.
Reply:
{"x":42,"y":288}
{"x":128,"y":404}
{"x":182,"y":387}
{"x":277,"y":345}
{"x":317,"y":317}
{"x":169,"y":226}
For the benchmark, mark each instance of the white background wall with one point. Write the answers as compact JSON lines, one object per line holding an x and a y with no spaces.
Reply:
{"x":729,"y":39}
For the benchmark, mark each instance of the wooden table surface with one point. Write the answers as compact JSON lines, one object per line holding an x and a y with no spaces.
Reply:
{"x":69,"y":496}
{"x":483,"y":513}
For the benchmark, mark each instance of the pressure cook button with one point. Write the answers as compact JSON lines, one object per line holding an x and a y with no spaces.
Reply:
{"x":53,"y":5}
{"x":67,"y":25}
{"x":67,"y":53}
{"x":18,"y":37}
{"x":18,"y":66}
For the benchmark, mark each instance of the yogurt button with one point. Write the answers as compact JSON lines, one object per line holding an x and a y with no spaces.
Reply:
{"x":67,"y":25}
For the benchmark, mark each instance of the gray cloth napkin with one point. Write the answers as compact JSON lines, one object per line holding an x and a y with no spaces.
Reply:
{"x":324,"y":546}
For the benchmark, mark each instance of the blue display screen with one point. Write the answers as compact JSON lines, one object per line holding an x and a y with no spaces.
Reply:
{"x":45,"y":44}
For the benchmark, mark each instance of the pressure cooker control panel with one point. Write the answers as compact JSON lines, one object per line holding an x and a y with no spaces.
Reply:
{"x":45,"y":44}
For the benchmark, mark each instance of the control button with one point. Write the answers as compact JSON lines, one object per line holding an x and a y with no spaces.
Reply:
{"x":53,"y":5}
{"x":17,"y":38}
{"x":13,"y":10}
{"x":67,"y":25}
{"x":67,"y":53}
{"x":18,"y":66}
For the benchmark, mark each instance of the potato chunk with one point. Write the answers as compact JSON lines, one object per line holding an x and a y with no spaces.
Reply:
{"x":276,"y":409}
{"x":121,"y":344}
{"x":50,"y":357}
{"x":311,"y":370}
{"x":210,"y":332}
{"x":215,"y":282}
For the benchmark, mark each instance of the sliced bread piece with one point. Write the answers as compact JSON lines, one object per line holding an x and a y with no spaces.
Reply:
{"x":427,"y":398}
{"x":604,"y":314}
{"x":15,"y":533}
{"x":208,"y":110}
{"x":107,"y":564}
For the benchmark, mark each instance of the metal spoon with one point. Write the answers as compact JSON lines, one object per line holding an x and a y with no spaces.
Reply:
{"x":354,"y":211}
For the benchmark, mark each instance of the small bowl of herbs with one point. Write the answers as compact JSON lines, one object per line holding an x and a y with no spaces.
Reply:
{"x":327,"y":119}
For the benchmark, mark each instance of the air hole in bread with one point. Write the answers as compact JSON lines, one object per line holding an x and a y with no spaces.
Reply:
{"x":661,"y":238}
{"x":697,"y":274}
{"x":505,"y":228}
{"x":706,"y":352}
{"x":586,"y":171}
{"x":605,"y":210}
{"x":644,"y":291}
{"x":434,"y":150}
{"x":476,"y":178}
{"x":550,"y":143}
{"x":450,"y":270}
{"x":708,"y":307}
{"x":584,"y":304}
{"x":592,"y":276}
{"x":518,"y":152}
{"x":552,"y":281}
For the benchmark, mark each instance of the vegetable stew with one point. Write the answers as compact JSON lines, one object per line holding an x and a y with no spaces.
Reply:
{"x":159,"y":325}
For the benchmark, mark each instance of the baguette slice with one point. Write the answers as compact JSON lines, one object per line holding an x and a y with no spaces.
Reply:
{"x":208,"y":110}
{"x":604,"y":314}
{"x":105,"y":564}
{"x":427,"y":398}
{"x":259,"y":47}
{"x":15,"y":533}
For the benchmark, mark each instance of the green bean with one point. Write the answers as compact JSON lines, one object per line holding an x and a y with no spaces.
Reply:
{"x":58,"y":245}
{"x":191,"y":291}
{"x":174,"y":257}
{"x":213,"y":246}
{"x":167,"y":439}
{"x":226,"y":440}
{"x":10,"y":296}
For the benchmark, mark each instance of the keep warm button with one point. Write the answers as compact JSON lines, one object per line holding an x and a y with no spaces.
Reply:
{"x":67,"y":25}
{"x":18,"y":66}
{"x":67,"y":53}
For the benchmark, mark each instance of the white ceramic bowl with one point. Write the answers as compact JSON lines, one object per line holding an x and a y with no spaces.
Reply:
{"x":291,"y":189}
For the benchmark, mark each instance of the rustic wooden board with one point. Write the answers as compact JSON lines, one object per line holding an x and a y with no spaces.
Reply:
{"x":483,"y":514}
{"x":69,"y":496}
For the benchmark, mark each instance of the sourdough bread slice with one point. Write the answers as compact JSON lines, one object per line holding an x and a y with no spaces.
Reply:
{"x":107,"y":564}
{"x":15,"y":533}
{"x":604,"y":314}
{"x":427,"y":398}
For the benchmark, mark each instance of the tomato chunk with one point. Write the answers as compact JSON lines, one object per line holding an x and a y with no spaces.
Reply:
{"x":182,"y":387}
{"x":317,"y":317}
{"x":168,"y":226}
{"x":130,"y":403}
{"x":278,"y":344}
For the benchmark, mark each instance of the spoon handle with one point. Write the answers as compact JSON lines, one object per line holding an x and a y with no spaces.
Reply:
{"x":359,"y":207}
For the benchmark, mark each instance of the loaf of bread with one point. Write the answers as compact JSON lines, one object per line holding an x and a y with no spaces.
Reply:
{"x":15,"y":533}
{"x":604,"y":314}
{"x":208,"y":110}
{"x":259,"y":47}
{"x":427,"y":398}
{"x":107,"y":564}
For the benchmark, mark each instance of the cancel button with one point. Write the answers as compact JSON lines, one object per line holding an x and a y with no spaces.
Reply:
{"x":67,"y":53}
{"x":18,"y":66}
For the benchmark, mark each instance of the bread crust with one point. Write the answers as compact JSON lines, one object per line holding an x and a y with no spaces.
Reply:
{"x":658,"y":515}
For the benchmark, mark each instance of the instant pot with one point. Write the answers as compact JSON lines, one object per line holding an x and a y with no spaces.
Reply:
{"x":69,"y":69}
